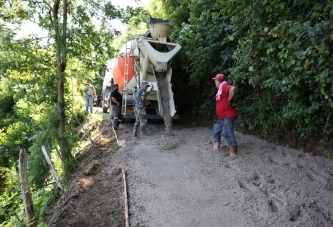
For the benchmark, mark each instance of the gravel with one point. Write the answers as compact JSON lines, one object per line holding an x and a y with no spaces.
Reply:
{"x":181,"y":181}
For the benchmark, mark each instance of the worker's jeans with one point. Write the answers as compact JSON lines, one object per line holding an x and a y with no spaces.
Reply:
{"x":116,"y":115}
{"x":226,"y":126}
{"x":89,"y":102}
{"x":140,"y":119}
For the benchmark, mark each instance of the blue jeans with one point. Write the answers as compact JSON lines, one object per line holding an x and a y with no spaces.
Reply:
{"x":226,"y":126}
{"x":89,"y":102}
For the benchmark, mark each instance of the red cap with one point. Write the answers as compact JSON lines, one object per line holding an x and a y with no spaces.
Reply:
{"x":219,"y":77}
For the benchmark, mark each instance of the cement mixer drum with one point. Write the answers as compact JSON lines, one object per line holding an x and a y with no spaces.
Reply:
{"x":143,"y":58}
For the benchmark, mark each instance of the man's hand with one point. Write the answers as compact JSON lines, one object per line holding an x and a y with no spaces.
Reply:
{"x":147,"y":102}
{"x":232,"y":102}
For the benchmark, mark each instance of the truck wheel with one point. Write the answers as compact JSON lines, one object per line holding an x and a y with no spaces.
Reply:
{"x":105,"y":109}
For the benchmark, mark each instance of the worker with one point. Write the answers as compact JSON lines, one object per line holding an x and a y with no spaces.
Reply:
{"x":89,"y":95}
{"x":140,"y":109}
{"x":226,"y":114}
{"x":99,"y":98}
{"x":116,"y":101}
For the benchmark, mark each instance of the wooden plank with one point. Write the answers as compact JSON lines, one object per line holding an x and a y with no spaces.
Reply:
{"x":125,"y":199}
{"x":25,"y":189}
{"x":53,"y":171}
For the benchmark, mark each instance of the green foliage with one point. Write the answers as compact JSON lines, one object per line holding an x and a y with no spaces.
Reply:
{"x":43,"y":201}
{"x":285,"y":58}
{"x":29,"y":116}
{"x":13,"y":138}
{"x":11,"y":207}
{"x":277,"y":54}
{"x":6,"y":100}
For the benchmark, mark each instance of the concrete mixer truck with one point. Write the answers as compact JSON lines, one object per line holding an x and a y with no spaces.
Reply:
{"x":146,"y":58}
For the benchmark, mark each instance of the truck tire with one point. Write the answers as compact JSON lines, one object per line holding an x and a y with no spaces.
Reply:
{"x":105,"y":109}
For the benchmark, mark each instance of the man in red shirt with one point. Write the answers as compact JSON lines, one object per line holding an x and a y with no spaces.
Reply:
{"x":226,"y":114}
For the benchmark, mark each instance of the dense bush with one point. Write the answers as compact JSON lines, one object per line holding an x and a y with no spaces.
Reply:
{"x":277,"y":54}
{"x":284,"y":60}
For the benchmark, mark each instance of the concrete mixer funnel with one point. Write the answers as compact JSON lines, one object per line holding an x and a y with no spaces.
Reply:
{"x":159,"y":29}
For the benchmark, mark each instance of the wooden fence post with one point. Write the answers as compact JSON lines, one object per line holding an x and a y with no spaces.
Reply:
{"x":25,"y":189}
{"x":53,"y":171}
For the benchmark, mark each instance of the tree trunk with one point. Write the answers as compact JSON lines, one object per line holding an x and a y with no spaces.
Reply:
{"x":61,"y":111}
{"x":60,"y":40}
{"x":25,"y":189}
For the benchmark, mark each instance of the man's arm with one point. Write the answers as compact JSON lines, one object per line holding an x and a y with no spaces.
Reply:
{"x":115,"y":101}
{"x":94,"y":91}
{"x":231,"y":93}
{"x":144,"y":100}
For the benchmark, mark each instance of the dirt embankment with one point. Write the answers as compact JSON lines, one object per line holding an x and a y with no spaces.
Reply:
{"x":180,"y":181}
{"x":94,"y":197}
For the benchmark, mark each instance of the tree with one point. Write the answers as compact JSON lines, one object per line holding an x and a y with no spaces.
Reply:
{"x":277,"y":53}
{"x":79,"y":39}
{"x":41,"y":79}
{"x":60,"y":43}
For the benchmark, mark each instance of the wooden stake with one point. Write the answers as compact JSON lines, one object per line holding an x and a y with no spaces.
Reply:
{"x":125,"y":198}
{"x":53,"y":171}
{"x":115,"y":134}
{"x":25,"y":189}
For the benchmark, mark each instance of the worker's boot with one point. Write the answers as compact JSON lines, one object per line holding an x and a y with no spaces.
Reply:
{"x":135,"y":130}
{"x":216,"y":145}
{"x":233,"y":150}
